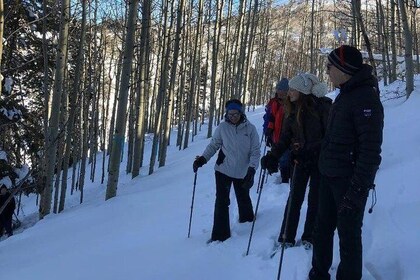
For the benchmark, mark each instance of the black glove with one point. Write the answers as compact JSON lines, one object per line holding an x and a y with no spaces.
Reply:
{"x":354,"y":200}
{"x":248,"y":180}
{"x":297,"y":152}
{"x":270,"y":162}
{"x":198,"y":162}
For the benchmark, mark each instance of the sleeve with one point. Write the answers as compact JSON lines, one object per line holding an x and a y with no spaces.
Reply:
{"x":368,"y":118}
{"x":268,"y":117}
{"x":255,"y":149}
{"x":214,"y":145}
{"x":285,"y":139}
{"x":325,"y":113}
{"x":265,"y":118}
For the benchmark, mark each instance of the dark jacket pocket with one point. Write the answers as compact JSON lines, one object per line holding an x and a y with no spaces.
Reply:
{"x":220,"y":157}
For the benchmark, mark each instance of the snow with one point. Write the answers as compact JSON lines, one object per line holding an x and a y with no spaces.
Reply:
{"x":39,"y":35}
{"x":11,"y":114}
{"x":3,"y":155}
{"x":142,"y":233}
{"x":6,"y":181}
{"x":8,"y":83}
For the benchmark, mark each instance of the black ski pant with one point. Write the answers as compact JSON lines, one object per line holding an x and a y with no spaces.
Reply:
{"x":349,"y":227}
{"x":6,"y":225}
{"x":296,"y":197}
{"x":221,"y":225}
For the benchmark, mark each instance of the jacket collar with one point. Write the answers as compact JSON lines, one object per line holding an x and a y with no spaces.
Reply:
{"x":362,"y":78}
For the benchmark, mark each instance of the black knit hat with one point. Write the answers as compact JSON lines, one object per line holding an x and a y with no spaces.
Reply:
{"x":347,"y":59}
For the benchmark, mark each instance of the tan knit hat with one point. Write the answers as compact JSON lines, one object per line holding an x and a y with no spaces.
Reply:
{"x":307,"y":83}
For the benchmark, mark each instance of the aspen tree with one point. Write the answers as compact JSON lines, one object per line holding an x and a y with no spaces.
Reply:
{"x":142,"y":87}
{"x":51,"y":151}
{"x":117,"y":141}
{"x":173,"y":75}
{"x":408,"y":38}
{"x":73,"y":97}
{"x":214,"y":58}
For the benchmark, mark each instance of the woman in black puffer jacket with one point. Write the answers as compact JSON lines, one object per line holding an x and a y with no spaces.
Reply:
{"x":307,"y":113}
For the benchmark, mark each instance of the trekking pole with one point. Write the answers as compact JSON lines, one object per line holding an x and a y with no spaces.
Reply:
{"x":261,"y":182}
{"x":266,"y":179}
{"x":18,"y":222}
{"x":289,"y":204}
{"x":192,"y":203}
{"x":259,"y":177}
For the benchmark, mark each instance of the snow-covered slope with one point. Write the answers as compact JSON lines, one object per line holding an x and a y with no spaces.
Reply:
{"x":142,"y":233}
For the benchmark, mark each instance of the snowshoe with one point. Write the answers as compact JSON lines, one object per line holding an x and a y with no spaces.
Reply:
{"x":277,"y":247}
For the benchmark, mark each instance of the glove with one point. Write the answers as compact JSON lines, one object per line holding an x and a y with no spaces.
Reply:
{"x":354,"y":200}
{"x":270,"y":163}
{"x":297,"y":152}
{"x":199,"y":162}
{"x":295,"y":147}
{"x":248,"y":180}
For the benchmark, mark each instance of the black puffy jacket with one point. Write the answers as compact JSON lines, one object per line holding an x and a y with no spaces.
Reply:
{"x":309,"y":135}
{"x":352,"y":144}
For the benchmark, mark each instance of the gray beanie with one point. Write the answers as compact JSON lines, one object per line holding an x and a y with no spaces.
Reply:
{"x":307,"y":83}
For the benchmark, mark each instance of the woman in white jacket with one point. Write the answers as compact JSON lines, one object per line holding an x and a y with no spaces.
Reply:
{"x":238,"y":144}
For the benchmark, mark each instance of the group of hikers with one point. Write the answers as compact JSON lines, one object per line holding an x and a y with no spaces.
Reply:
{"x":335,"y":146}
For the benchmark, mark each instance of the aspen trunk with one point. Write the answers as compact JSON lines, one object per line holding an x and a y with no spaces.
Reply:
{"x":141,"y":90}
{"x":118,"y":139}
{"x":357,"y":7}
{"x":46,"y":197}
{"x":214,"y":58}
{"x":393,"y":76}
{"x":163,"y":84}
{"x":165,"y":140}
{"x":409,"y":66}
{"x":73,"y":96}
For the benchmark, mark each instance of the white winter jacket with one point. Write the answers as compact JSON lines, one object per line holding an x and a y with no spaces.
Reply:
{"x":240,"y":148}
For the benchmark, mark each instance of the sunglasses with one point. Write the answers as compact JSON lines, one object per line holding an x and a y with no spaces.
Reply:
{"x":233,"y":115}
